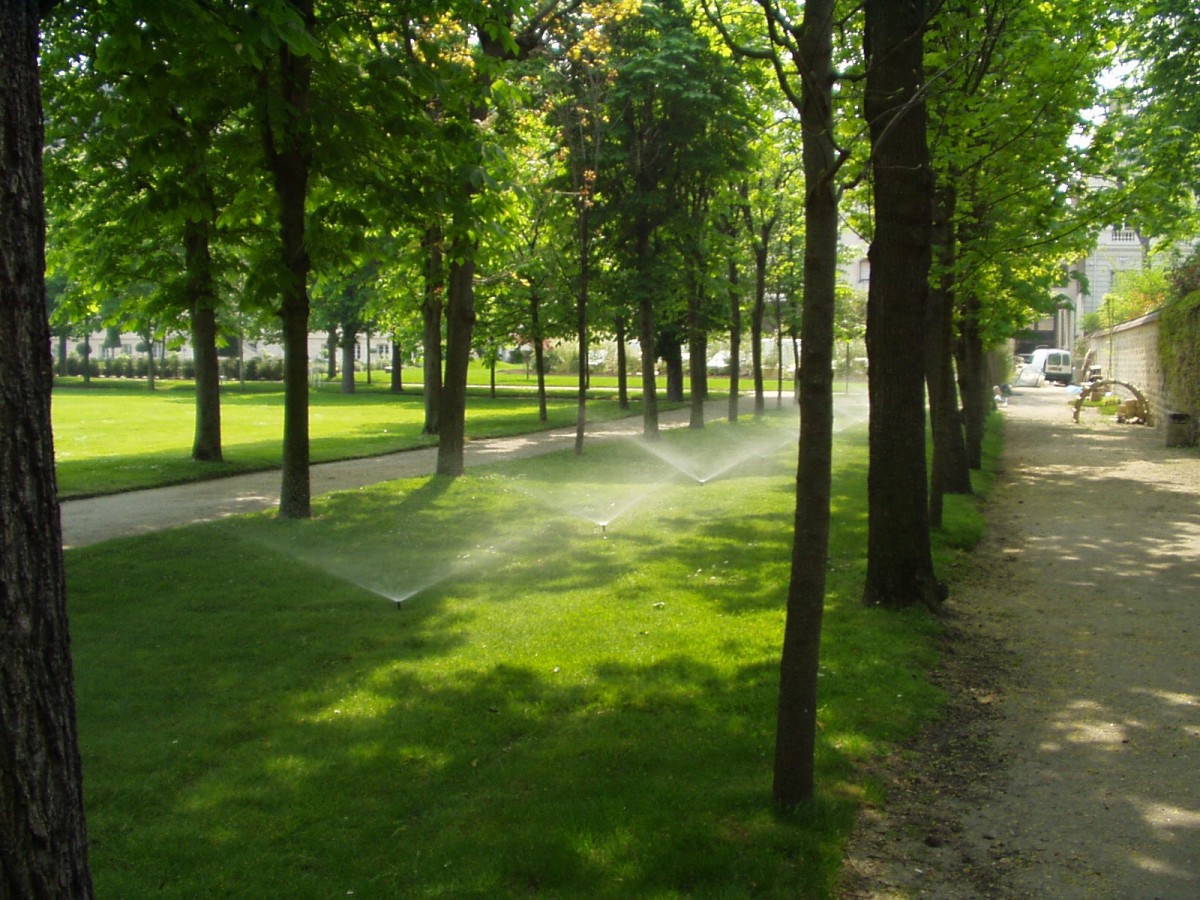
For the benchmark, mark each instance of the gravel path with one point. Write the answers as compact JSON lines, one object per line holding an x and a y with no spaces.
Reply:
{"x":1067,"y":764}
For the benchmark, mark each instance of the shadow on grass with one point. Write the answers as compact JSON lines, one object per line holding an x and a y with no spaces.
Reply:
{"x":559,"y":711}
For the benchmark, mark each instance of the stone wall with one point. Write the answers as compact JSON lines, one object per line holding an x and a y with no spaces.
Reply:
{"x":1129,"y":352}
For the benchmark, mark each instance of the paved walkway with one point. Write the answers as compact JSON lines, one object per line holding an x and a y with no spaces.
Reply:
{"x":138,"y":512}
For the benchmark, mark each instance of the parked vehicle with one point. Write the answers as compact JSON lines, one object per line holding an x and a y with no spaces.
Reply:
{"x":1053,"y":365}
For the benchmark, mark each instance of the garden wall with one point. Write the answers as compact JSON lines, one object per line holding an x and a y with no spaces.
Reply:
{"x":1129,"y":352}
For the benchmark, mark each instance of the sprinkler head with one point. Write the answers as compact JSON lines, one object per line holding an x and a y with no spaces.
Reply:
{"x":603,"y":528}
{"x":399,"y":605}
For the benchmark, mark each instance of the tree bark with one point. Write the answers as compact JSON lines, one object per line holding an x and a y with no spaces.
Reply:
{"x":289,"y":157}
{"x":397,"y":383}
{"x":539,"y":352}
{"x":899,"y":558}
{"x":757,"y":311}
{"x":431,"y":315}
{"x":622,"y":364}
{"x":202,"y":304}
{"x":348,"y":344}
{"x":949,"y":473}
{"x":646,"y":331}
{"x":669,"y":348}
{"x":697,"y":363}
{"x":581,"y":305}
{"x":796,"y":722}
{"x":43,"y":834}
{"x":331,"y":352}
{"x":460,"y":322}
{"x":972,"y":378}
{"x":735,"y":340}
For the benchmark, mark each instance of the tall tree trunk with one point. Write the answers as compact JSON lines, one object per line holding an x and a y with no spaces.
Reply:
{"x":757,"y":312}
{"x":972,"y":378}
{"x":289,"y":156}
{"x":670,"y":351}
{"x":349,"y":344}
{"x":202,"y":303}
{"x":646,"y":331}
{"x":460,"y":322}
{"x":735,"y":340}
{"x":697,"y":364}
{"x":397,"y":366}
{"x":949,"y":473}
{"x":539,"y":352}
{"x":148,"y":339}
{"x":431,"y":315}
{"x":332,"y":346}
{"x":581,"y":305}
{"x":367,"y":350}
{"x":622,"y":364}
{"x":899,"y":558}
{"x":43,"y":834}
{"x":796,"y":723}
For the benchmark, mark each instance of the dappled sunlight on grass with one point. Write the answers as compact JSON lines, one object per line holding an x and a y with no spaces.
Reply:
{"x":557,"y":709}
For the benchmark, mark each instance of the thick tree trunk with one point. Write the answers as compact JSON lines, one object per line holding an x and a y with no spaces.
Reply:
{"x":289,"y":157}
{"x":949,"y":473}
{"x":348,"y":344}
{"x":43,"y":835}
{"x":972,"y":378}
{"x":899,"y":558}
{"x":202,"y":303}
{"x":735,"y":340}
{"x":431,"y":314}
{"x":460,"y":321}
{"x":397,"y":367}
{"x":796,"y":723}
{"x":670,"y":350}
{"x":332,"y":344}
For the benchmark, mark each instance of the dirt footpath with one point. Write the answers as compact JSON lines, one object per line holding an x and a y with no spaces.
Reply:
{"x":1067,"y":766}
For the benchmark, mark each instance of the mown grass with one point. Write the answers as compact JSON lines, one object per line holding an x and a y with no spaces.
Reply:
{"x":558,"y":709}
{"x":115,"y":435}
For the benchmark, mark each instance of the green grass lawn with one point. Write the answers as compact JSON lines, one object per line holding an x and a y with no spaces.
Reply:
{"x":556,"y":709}
{"x":115,"y":435}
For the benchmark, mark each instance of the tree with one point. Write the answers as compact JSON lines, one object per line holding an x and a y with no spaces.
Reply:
{"x":43,"y":834}
{"x":140,"y":170}
{"x":810,"y":47}
{"x":285,"y":86}
{"x":899,"y":557}
{"x":801,"y":55}
{"x":678,"y":128}
{"x":1013,"y":162}
{"x":1155,"y":120}
{"x":764,"y":202}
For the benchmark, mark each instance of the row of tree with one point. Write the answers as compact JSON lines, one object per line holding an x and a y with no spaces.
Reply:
{"x":281,"y":149}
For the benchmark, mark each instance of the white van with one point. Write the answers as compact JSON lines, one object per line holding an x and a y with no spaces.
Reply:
{"x":1054,"y":365}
